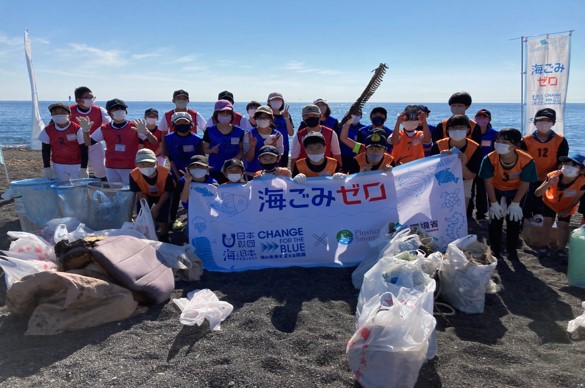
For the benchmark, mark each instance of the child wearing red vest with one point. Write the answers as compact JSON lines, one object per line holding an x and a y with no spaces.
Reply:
{"x":561,"y":191}
{"x":63,"y":144}
{"x":507,"y":173}
{"x":154,"y":183}
{"x":316,"y":163}
{"x":151,"y":118}
{"x":408,"y":144}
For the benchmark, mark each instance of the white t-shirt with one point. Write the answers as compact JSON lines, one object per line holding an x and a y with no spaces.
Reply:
{"x":44,"y":136}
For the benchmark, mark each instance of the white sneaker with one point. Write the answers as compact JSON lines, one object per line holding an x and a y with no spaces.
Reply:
{"x":537,"y":220}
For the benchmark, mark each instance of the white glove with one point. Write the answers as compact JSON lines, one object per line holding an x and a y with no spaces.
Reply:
{"x":85,"y":123}
{"x":140,"y":126}
{"x":515,"y":212}
{"x":83,"y":173}
{"x":339,"y":176}
{"x":496,"y":211}
{"x":300,"y":178}
{"x":48,"y":173}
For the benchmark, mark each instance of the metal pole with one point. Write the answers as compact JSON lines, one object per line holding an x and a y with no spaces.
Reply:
{"x":522,"y":102}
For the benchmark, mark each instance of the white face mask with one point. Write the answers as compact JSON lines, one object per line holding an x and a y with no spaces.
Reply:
{"x":181,"y":104}
{"x":251,"y":112}
{"x":151,"y":121}
{"x":323,"y":109}
{"x":570,"y":171}
{"x":276,"y":104}
{"x":198,"y":172}
{"x":316,"y":157}
{"x":234,"y":177}
{"x":375,"y":158}
{"x":543,"y":126}
{"x":263,"y":123}
{"x":458,"y":110}
{"x":147,"y":171}
{"x":119,"y":115}
{"x":355,"y":119}
{"x":88,"y":102}
{"x":502,"y":148}
{"x":60,"y":119}
{"x":458,"y":134}
{"x":224,"y":119}
{"x":410,"y":125}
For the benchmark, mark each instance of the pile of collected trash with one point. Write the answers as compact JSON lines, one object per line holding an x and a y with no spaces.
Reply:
{"x":395,"y":327}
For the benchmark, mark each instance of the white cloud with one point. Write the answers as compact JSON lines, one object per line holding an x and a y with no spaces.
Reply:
{"x":99,"y":56}
{"x":145,"y":56}
{"x":183,"y":59}
{"x":300,"y":67}
{"x":10,"y":40}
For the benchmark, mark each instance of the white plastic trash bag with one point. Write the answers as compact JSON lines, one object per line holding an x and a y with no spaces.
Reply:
{"x":200,"y":305}
{"x":17,"y":268}
{"x":401,"y":241}
{"x":33,"y":245}
{"x":144,"y":222}
{"x":578,"y":322}
{"x":464,"y":282}
{"x":390,"y":343}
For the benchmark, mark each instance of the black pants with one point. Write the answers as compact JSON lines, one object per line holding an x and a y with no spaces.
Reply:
{"x":534,"y":204}
{"x":512,"y":227}
{"x":478,"y":199}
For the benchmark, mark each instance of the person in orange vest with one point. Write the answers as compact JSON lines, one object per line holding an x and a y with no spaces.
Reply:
{"x":311,"y":118}
{"x":561,"y":192}
{"x":468,"y":151}
{"x":546,"y":147}
{"x":372,"y":155}
{"x":269,"y":157}
{"x":154,"y":183}
{"x":458,"y":103}
{"x":63,"y":144}
{"x":408,"y":144}
{"x":507,"y":173}
{"x":316,"y":163}
{"x":233,"y":169}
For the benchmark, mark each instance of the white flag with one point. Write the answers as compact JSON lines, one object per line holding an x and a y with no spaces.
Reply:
{"x":37,"y":121}
{"x":547,"y":78}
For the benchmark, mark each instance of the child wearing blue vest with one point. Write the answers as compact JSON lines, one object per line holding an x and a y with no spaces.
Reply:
{"x":182,"y":144}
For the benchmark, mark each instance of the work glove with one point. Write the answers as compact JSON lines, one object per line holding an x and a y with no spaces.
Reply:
{"x":339,"y":176}
{"x":48,"y":173}
{"x":300,"y":178}
{"x":140,"y":126}
{"x":515,"y":212}
{"x":83,"y":173}
{"x":496,"y":211}
{"x":85,"y":123}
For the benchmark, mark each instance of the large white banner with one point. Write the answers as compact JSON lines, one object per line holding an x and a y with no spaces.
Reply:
{"x":547,"y":78}
{"x":275,"y":222}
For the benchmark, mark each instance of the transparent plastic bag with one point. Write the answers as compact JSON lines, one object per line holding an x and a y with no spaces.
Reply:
{"x":17,"y":268}
{"x":200,"y":305}
{"x":144,"y":222}
{"x":32,"y":244}
{"x":578,"y":322}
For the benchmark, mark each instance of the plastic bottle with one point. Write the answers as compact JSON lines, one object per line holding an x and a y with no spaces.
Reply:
{"x":576,"y":270}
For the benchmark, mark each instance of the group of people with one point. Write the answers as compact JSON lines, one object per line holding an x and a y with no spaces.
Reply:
{"x":505,"y":176}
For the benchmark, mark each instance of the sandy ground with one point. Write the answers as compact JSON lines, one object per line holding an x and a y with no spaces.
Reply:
{"x":289,"y":328}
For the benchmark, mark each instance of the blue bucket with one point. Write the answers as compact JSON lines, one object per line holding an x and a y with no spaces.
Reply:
{"x":36,"y":203}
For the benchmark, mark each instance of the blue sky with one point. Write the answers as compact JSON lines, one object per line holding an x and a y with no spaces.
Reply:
{"x":304,"y":49}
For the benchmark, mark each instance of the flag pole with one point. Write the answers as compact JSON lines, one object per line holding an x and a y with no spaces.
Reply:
{"x":522,"y":74}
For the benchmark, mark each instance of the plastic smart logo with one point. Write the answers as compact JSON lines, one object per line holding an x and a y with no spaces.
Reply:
{"x":344,"y":237}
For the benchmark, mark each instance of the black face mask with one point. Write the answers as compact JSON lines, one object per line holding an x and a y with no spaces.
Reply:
{"x":183,"y":128}
{"x":378,"y":121}
{"x":269,"y":166}
{"x":312,"y":121}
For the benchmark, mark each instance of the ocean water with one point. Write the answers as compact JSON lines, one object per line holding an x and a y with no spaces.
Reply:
{"x":16,"y":116}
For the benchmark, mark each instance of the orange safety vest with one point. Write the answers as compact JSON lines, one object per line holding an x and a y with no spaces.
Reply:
{"x":408,"y":148}
{"x":329,"y":170}
{"x":155,"y":190}
{"x":559,"y":200}
{"x":545,"y":155}
{"x":470,"y":149}
{"x":508,"y":179}
{"x":444,"y":125}
{"x":361,"y":159}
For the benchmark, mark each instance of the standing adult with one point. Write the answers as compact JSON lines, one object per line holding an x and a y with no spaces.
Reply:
{"x":283,"y":122}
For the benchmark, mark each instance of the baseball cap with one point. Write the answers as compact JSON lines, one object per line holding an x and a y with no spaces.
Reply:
{"x":225,"y":95}
{"x":59,"y":105}
{"x":198,"y":159}
{"x":376,"y":138}
{"x":180,"y":92}
{"x":320,"y":100}
{"x":145,"y":155}
{"x":424,"y":108}
{"x":314,"y":137}
{"x":270,"y":150}
{"x":546,"y":113}
{"x":311,"y":109}
{"x":232,"y":162}
{"x":379,"y":109}
{"x":274,"y":95}
{"x":575,"y":158}
{"x":264,"y":109}
{"x":116,"y":102}
{"x":484,"y":112}
{"x":150,"y":111}
{"x":181,"y":115}
{"x":223,"y":105}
